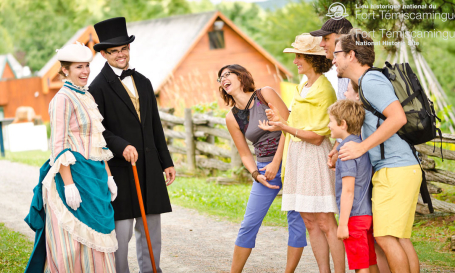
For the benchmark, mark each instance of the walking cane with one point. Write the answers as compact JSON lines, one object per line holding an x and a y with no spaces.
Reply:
{"x":144,"y":220}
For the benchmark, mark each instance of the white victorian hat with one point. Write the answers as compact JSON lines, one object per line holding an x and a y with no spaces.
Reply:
{"x":77,"y":53}
{"x":306,"y":44}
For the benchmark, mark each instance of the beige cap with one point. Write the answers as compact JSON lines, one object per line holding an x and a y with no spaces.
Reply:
{"x":306,"y":44}
{"x":77,"y":53}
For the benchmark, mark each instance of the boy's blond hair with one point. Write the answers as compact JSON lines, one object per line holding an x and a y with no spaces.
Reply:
{"x":350,"y":111}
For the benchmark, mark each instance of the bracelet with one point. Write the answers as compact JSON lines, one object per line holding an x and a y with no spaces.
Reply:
{"x":296,"y":131}
{"x":255,"y":174}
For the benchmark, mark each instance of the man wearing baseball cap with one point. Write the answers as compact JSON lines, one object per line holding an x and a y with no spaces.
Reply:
{"x":330,"y":31}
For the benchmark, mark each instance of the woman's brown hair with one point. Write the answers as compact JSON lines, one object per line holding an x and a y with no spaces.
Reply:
{"x":319,"y":63}
{"x":245,"y":78}
{"x":66,"y":65}
{"x":361,"y":43}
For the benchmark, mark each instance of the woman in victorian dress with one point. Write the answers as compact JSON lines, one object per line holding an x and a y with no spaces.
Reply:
{"x":71,"y":210}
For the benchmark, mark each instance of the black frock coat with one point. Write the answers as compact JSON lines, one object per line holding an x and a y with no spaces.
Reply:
{"x":123,"y":128}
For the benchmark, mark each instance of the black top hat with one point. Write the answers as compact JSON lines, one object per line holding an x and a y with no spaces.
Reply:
{"x":112,"y":32}
{"x":342,"y":26}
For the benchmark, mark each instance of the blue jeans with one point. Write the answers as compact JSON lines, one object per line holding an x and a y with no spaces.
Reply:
{"x":261,"y":198}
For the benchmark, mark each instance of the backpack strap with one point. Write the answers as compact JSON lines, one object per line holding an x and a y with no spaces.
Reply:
{"x":426,"y":198}
{"x":365,"y":102}
{"x":440,"y":137}
{"x":367,"y":106}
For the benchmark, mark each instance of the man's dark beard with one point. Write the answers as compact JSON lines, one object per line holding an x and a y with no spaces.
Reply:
{"x":338,"y":74}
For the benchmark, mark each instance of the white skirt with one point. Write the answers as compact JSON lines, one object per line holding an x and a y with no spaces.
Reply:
{"x":309,"y":184}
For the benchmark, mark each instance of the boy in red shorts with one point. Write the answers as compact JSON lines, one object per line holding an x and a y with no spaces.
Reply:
{"x":353,"y":189}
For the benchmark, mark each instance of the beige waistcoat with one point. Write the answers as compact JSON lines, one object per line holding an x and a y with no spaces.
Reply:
{"x":134,"y":99}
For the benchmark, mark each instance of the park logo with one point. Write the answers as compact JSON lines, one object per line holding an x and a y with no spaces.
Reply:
{"x":337,"y":11}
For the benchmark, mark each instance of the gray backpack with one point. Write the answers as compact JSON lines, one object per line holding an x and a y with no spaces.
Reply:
{"x":421,"y":117}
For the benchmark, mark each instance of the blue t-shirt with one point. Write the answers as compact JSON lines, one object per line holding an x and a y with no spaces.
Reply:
{"x":361,"y":169}
{"x":378,"y":90}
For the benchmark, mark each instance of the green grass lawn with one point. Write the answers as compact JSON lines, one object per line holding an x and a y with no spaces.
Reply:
{"x":33,"y":158}
{"x":228,"y":202}
{"x":430,"y":237}
{"x":15,"y":250}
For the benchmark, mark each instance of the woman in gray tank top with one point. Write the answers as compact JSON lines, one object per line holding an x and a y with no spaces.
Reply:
{"x":309,"y":184}
{"x":248,"y":111}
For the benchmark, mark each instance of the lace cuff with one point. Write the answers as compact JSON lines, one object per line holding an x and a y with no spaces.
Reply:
{"x":67,"y":158}
{"x":101,"y":154}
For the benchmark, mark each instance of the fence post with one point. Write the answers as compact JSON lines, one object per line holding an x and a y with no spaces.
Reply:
{"x":211,"y":140}
{"x":189,"y":140}
{"x":169,"y":126}
{"x":236,"y":161}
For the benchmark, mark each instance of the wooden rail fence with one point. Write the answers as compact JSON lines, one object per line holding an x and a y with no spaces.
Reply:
{"x":434,"y":174}
{"x":202,"y":153}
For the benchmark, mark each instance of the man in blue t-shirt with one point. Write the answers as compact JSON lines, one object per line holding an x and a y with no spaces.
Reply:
{"x":397,"y":178}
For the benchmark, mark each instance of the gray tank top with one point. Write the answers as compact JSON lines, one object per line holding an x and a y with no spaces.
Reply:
{"x":265,"y":143}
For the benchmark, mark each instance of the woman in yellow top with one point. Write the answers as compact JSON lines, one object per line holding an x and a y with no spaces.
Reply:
{"x":309,"y":184}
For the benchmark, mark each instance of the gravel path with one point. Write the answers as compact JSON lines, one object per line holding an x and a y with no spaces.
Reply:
{"x":191,"y":242}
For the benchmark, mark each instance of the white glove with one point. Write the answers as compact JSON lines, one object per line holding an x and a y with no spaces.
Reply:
{"x":112,"y":187}
{"x":73,"y":198}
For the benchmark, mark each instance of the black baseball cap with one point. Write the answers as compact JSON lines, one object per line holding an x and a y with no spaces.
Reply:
{"x":342,"y":26}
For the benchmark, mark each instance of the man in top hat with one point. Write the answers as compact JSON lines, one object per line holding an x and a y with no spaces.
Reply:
{"x":133,"y":133}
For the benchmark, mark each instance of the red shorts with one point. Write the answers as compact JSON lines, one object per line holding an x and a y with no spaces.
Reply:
{"x":360,"y":244}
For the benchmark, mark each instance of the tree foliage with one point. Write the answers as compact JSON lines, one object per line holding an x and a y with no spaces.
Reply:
{"x":280,"y":27}
{"x":248,"y":16}
{"x":34,"y":29}
{"x":391,"y":24}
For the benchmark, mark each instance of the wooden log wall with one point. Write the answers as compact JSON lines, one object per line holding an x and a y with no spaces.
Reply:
{"x":25,"y":92}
